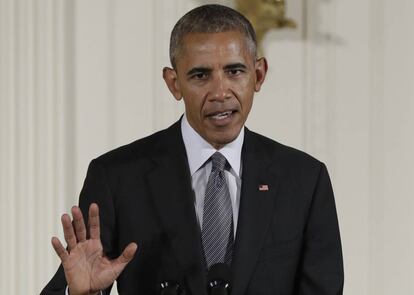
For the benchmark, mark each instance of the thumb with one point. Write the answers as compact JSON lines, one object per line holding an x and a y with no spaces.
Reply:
{"x":126,"y":256}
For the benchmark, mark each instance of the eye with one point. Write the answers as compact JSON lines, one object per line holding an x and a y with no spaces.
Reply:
{"x":199,"y":76}
{"x":234,"y":72}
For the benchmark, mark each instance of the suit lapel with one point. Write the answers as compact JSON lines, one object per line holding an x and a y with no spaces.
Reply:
{"x":255,"y":212}
{"x":170,"y":183}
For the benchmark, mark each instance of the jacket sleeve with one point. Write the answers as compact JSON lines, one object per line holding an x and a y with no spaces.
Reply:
{"x":96,"y":189}
{"x":321,"y":266}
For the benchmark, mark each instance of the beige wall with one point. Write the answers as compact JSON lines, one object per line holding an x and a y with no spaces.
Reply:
{"x":78,"y":78}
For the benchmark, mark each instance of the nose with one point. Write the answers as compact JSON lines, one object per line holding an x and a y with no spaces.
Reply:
{"x":220,"y":88}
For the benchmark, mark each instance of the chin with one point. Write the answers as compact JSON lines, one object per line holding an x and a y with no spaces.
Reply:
{"x":223,"y":139}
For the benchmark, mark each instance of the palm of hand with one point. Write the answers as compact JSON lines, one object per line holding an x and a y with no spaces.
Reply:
{"x":87,"y":270}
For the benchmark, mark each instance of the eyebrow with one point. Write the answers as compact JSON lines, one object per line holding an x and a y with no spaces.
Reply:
{"x":205,"y":70}
{"x":198,"y":70}
{"x":235,"y":66}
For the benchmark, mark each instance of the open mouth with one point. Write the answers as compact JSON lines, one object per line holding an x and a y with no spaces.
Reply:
{"x":221,"y":116}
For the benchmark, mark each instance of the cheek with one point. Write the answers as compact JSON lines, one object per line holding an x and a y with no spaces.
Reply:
{"x":195,"y":98}
{"x":244,"y":93}
{"x":193,"y":106}
{"x":247,"y":105}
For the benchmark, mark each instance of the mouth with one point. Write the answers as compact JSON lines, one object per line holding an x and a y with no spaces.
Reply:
{"x":221,"y":115}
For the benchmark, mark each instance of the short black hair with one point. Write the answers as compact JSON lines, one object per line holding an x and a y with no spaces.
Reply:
{"x":211,"y":18}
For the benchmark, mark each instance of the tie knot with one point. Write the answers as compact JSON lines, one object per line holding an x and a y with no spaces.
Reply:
{"x":219,"y":161}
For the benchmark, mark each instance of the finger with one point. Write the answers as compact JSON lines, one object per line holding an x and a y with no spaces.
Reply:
{"x":68,"y":231}
{"x":128,"y":253}
{"x":125,"y":257}
{"x":59,"y":249}
{"x":94,"y":230}
{"x":78,"y":224}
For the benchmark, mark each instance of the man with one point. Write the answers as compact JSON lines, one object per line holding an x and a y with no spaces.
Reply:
{"x":206,"y":190}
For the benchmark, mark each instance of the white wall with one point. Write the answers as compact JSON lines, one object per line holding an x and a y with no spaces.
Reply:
{"x":78,"y":78}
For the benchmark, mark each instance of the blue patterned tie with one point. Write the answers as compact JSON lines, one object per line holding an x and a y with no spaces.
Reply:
{"x":217,"y":231}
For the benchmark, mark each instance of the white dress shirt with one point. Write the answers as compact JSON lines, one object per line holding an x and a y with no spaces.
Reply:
{"x":199,"y":152}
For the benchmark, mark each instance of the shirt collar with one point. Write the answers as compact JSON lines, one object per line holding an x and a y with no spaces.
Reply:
{"x":199,"y":150}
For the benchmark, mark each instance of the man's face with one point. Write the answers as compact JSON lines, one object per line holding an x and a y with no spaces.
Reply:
{"x":217,"y":76}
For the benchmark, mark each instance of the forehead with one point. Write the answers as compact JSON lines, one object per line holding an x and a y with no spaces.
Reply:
{"x":213,"y":46}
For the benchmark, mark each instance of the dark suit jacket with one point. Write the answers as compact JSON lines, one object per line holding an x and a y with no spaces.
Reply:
{"x":287,"y":240}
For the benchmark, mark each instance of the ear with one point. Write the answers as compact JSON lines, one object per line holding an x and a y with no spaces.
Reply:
{"x":261,"y":70}
{"x":170,"y":78}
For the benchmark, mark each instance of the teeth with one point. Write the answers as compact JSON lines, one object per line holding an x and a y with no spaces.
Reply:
{"x":221,"y":116}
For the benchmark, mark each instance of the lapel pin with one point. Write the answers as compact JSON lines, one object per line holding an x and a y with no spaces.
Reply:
{"x":263,"y":187}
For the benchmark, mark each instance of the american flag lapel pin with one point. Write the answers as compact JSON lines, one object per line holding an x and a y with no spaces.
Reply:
{"x":263,"y":187}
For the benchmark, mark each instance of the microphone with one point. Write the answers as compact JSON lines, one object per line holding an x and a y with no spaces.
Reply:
{"x":169,"y":281}
{"x":170,"y":288}
{"x":218,"y":278}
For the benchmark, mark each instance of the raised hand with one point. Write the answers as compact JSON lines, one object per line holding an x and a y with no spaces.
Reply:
{"x":86,"y":268}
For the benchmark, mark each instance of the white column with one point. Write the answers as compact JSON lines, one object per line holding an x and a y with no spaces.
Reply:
{"x":35,"y":149}
{"x":398,"y":146}
{"x":377,"y":242}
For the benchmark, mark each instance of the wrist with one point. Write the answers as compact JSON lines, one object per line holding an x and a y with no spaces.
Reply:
{"x":88,"y":293}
